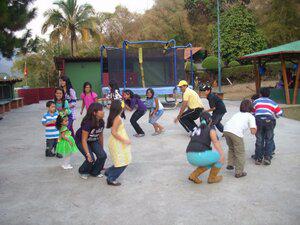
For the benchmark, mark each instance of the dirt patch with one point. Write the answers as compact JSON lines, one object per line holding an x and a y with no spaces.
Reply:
{"x":241,"y":91}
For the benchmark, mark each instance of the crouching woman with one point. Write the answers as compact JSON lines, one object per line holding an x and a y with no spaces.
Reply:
{"x":200,"y":153}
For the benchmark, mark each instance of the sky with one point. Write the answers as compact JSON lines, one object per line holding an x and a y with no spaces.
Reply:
{"x":99,"y":5}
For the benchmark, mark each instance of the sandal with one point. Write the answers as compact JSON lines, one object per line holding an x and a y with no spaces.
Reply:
{"x":239,"y":175}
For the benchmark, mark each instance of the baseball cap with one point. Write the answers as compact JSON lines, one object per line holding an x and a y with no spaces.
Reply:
{"x":182,"y":83}
{"x":205,"y":87}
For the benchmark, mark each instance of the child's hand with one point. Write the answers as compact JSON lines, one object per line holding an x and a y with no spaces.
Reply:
{"x":89,"y":158}
{"x":127,"y":142}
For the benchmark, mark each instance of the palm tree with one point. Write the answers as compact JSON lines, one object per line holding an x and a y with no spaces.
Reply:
{"x":69,"y":20}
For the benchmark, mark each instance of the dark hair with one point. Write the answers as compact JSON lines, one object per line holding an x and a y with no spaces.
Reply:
{"x":49,"y":103}
{"x":254,"y":97}
{"x":86,"y":84}
{"x":114,"y":86}
{"x":131,"y":94}
{"x":114,"y":111}
{"x":151,"y":91}
{"x":265,"y":92}
{"x":62,"y":98}
{"x":246,"y":106}
{"x":68,"y":83}
{"x":59,"y":121}
{"x":90,"y":117}
{"x":205,"y":120}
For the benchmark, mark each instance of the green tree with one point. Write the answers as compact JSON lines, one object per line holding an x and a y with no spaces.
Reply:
{"x":282,"y":23}
{"x":14,"y":16}
{"x":41,"y":68}
{"x":239,"y":34}
{"x":68,"y":21}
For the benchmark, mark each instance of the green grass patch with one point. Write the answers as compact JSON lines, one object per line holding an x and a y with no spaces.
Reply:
{"x":292,"y":112}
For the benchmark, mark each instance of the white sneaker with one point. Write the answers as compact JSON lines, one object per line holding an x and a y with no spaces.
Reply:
{"x":100,"y":175}
{"x":69,"y":166}
{"x":84,"y":176}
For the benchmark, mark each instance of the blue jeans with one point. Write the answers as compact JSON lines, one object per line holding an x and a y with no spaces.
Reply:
{"x":216,"y":120}
{"x":92,"y":168}
{"x":153,"y":119}
{"x":113,"y":173}
{"x":265,"y":145}
{"x":207,"y":159}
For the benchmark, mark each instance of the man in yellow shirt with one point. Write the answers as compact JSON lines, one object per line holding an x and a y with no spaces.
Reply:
{"x":193,"y":103}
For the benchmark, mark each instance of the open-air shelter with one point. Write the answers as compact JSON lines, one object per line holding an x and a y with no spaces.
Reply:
{"x":284,"y":53}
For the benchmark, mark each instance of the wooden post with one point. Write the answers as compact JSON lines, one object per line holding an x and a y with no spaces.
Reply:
{"x":257,"y":78}
{"x":286,"y":87}
{"x":296,"y":87}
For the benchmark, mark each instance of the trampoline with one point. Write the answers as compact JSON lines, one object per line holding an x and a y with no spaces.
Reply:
{"x":143,"y":64}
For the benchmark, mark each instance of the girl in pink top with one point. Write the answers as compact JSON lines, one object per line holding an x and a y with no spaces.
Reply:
{"x":87,"y":96}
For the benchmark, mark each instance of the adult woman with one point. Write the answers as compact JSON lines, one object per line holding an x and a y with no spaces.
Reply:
{"x":70,"y":96}
{"x":200,"y":153}
{"x":89,"y":140}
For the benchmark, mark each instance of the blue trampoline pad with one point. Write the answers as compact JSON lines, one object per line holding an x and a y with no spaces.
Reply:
{"x":142,"y":91}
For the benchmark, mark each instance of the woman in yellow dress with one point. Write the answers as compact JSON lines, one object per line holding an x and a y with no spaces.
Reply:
{"x":119,"y":144}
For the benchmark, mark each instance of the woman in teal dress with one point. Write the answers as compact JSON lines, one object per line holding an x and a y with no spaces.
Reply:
{"x":66,"y":143}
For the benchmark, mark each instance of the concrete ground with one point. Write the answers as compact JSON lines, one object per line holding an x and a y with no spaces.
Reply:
{"x":155,"y":189}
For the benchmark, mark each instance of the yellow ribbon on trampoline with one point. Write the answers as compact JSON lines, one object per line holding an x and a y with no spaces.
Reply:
{"x":141,"y":66}
{"x":140,"y":55}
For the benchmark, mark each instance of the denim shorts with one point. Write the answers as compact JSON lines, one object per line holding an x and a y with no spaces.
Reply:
{"x":153,"y":119}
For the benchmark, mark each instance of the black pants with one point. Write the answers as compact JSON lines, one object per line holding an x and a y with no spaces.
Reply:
{"x":94,"y":168}
{"x":133,"y":120}
{"x":51,"y":144}
{"x":188,"y":117}
{"x":216,"y":120}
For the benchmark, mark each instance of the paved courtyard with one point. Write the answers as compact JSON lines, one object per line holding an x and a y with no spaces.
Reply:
{"x":155,"y":189}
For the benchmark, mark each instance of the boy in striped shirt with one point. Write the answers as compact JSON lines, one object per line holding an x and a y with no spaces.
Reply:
{"x":51,"y":133}
{"x":266,"y":111}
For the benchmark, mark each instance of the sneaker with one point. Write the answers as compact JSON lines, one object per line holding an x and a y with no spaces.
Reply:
{"x":267,"y":161}
{"x":258,"y":162}
{"x":49,"y":154}
{"x":155,"y":133}
{"x":230,"y":167}
{"x":253,"y":156}
{"x":239,"y":175}
{"x":100,"y":175}
{"x":139,"y":135}
{"x":113,"y":183}
{"x":59,"y":155}
{"x":84,"y":176}
{"x":67,"y":167}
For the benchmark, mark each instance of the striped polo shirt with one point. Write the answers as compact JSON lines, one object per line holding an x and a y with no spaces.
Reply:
{"x":266,"y":107}
{"x":50,"y":132}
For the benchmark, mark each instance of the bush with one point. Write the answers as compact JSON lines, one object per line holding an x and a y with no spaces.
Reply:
{"x":211,"y":63}
{"x":187,"y":66}
{"x":233,"y":63}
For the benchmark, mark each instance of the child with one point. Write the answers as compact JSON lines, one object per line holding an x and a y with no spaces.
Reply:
{"x":70,"y":96}
{"x":216,"y":105}
{"x":118,"y":144}
{"x":87,"y":96}
{"x":114,"y":95}
{"x":266,"y":111}
{"x":61,"y":104}
{"x":200,"y":154}
{"x":51,"y":134}
{"x":234,"y":133}
{"x":89,"y":140}
{"x":156,"y":111}
{"x":66,"y":144}
{"x":132,"y":101}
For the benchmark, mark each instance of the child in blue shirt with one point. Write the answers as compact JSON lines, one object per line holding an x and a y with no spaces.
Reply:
{"x":51,"y":133}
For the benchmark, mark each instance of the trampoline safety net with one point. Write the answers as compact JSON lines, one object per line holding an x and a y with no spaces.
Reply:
{"x":149,"y":67}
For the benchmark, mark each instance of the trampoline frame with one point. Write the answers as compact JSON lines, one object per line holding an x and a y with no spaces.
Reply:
{"x":173,"y":47}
